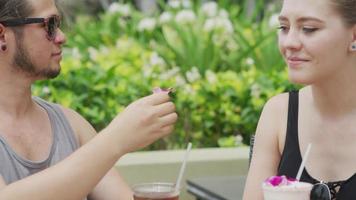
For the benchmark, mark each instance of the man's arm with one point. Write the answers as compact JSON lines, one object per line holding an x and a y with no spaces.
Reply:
{"x":111,"y":186}
{"x":2,"y":183}
{"x":140,"y":124}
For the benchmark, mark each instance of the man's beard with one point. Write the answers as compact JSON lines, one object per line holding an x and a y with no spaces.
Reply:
{"x":23,"y":62}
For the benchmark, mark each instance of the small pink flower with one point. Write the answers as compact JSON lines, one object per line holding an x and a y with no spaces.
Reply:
{"x":158,"y":90}
{"x":279,"y":180}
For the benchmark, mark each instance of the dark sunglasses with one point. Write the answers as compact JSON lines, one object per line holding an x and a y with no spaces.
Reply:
{"x":320,"y":191}
{"x":50,"y":24}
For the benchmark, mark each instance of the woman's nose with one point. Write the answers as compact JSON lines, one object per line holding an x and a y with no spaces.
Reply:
{"x":290,"y":40}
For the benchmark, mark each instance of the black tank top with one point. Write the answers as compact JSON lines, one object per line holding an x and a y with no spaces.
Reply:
{"x":291,"y":157}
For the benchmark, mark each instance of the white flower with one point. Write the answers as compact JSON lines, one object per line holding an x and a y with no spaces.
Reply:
{"x":209,"y":25}
{"x":226,"y":25}
{"x":210,"y":9}
{"x":232,"y":45}
{"x":93,"y":53}
{"x":146,"y":24}
{"x":104,"y":50}
{"x":165,"y":17}
{"x":185,"y":17}
{"x":189,"y":89}
{"x":124,"y":43}
{"x":125,"y":10}
{"x":186,"y":3}
{"x":76,"y":53}
{"x":46,"y":90}
{"x":273,"y":21}
{"x":122,"y":9}
{"x":255,"y":90}
{"x":114,"y":7}
{"x":174,"y":3}
{"x":223,"y":13}
{"x":155,"y":59}
{"x":193,"y":74}
{"x":179,"y":3}
{"x":147,"y":70}
{"x":210,"y":76}
{"x":250,"y":61}
{"x":217,"y":23}
{"x":170,"y":73}
{"x":180,"y":81}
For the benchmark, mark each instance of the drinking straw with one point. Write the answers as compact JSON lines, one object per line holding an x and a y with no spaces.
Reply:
{"x":305,"y":158}
{"x":182,"y":168}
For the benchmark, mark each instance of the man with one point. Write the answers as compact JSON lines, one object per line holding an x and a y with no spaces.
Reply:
{"x":49,"y":152}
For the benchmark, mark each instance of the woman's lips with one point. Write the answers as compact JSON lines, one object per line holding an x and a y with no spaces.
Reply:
{"x":296,"y":61}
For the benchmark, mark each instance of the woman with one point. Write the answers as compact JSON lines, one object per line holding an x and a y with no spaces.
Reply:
{"x":317,"y":39}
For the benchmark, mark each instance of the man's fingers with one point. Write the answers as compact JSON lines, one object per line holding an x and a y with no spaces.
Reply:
{"x":164,"y":131}
{"x":165,"y":108}
{"x":168,"y":119}
{"x":156,"y":98}
{"x":167,"y":129}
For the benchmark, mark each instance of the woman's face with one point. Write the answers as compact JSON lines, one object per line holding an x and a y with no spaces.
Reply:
{"x":313,"y":40}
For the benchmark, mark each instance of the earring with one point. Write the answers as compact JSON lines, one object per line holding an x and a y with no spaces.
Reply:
{"x":353,"y":47}
{"x":3,"y":47}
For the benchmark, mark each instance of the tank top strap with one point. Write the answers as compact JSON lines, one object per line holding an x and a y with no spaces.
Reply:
{"x":62,"y":129}
{"x":292,"y":123}
{"x":291,"y":158}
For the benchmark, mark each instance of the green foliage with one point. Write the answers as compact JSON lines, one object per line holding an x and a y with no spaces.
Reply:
{"x":212,"y":109}
{"x":222,"y":65}
{"x":203,"y":36}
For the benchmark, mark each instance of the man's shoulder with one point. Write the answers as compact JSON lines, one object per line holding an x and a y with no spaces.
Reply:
{"x":70,"y":114}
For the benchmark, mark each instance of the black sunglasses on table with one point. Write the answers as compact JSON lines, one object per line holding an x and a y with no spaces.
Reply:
{"x":50,"y":24}
{"x":320,"y":191}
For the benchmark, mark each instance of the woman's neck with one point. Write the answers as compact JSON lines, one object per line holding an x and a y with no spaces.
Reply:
{"x":337,"y":95}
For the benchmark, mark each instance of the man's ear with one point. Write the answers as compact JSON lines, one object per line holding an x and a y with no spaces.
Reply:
{"x":2,"y":32}
{"x":353,"y":43}
{"x":3,"y":46}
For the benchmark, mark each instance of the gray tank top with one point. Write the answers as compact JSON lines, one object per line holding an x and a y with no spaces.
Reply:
{"x":13,"y":167}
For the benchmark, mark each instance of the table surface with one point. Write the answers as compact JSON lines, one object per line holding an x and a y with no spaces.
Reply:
{"x":217,"y":188}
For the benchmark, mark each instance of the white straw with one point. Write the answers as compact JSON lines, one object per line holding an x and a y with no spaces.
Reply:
{"x":182,"y":168}
{"x":305,"y":158}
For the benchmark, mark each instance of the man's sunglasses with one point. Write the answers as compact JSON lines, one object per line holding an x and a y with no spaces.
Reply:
{"x":320,"y":191}
{"x":50,"y":24}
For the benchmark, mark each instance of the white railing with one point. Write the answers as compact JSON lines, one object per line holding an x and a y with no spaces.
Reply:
{"x":164,"y":166}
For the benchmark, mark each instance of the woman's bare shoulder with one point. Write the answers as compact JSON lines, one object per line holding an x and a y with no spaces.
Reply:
{"x":278,"y":102}
{"x":276,"y":108}
{"x":273,"y":120}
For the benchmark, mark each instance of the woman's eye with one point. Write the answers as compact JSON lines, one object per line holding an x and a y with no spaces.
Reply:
{"x":309,"y":29}
{"x":283,"y":28}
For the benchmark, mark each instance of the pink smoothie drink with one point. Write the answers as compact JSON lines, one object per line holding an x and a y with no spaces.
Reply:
{"x":282,"y":188}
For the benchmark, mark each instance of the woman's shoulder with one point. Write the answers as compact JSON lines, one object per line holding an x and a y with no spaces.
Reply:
{"x":275,"y":115}
{"x":278,"y":103}
{"x":274,"y":112}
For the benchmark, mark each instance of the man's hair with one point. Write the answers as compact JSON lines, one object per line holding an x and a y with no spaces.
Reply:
{"x":347,"y":9}
{"x":10,"y":9}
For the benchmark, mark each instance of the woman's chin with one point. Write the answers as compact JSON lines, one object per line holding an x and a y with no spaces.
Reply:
{"x":299,"y":80}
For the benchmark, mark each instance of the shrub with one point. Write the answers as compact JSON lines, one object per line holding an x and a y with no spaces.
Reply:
{"x":213,"y":109}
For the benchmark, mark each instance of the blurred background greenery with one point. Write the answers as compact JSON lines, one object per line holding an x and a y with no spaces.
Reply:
{"x":221,"y":57}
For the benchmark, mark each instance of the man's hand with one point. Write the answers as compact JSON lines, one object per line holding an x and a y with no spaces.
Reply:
{"x":144,"y":121}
